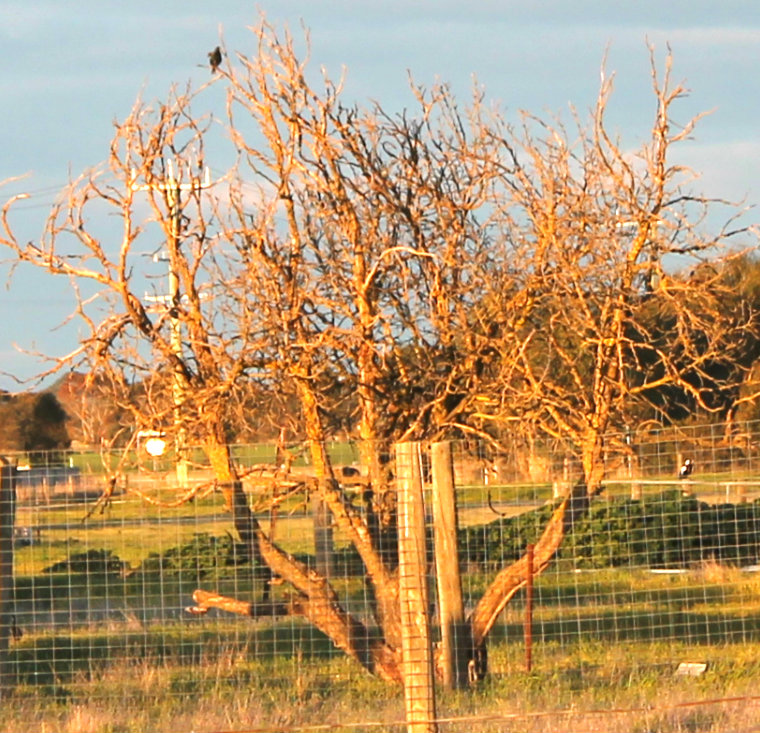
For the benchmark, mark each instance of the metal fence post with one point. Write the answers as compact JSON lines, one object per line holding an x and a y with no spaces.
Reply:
{"x":416,"y":649}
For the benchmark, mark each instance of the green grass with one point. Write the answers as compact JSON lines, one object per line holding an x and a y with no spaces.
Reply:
{"x":206,"y":682}
{"x":248,"y":454}
{"x":603,"y":640}
{"x":126,"y":657}
{"x":132,"y":531}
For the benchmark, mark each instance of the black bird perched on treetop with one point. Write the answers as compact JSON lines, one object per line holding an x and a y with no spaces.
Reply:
{"x":215,"y":59}
{"x":686,"y":468}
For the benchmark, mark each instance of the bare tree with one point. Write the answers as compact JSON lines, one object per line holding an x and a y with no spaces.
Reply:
{"x":433,"y":274}
{"x":588,"y":314}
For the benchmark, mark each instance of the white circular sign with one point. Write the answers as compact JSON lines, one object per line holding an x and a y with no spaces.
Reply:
{"x":155,"y":446}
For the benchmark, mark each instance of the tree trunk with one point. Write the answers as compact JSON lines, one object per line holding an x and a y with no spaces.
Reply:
{"x":315,"y":599}
{"x":243,"y":519}
{"x":317,"y":602}
{"x":592,"y":450}
{"x":384,"y":580}
{"x":511,"y":579}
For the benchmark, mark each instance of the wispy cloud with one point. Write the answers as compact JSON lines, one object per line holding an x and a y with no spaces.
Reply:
{"x":726,"y":169}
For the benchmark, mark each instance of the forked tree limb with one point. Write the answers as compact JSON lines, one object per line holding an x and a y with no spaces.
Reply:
{"x":512,"y":578}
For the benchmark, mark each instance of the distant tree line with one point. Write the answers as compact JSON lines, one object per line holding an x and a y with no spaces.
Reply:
{"x":34,"y":423}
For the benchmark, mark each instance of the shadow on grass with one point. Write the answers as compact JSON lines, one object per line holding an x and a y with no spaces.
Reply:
{"x":616,"y":625}
{"x":54,"y":661}
{"x":62,"y":658}
{"x":620,"y":592}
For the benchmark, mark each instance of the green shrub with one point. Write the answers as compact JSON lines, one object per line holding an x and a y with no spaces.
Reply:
{"x":662,"y":530}
{"x":490,"y":545}
{"x":204,"y":556}
{"x":91,"y":562}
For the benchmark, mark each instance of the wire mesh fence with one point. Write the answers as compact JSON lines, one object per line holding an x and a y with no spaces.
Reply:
{"x":144,"y":612}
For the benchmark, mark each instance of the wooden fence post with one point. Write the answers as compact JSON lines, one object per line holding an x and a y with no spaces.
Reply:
{"x":7,"y":522}
{"x":528,"y":630}
{"x":416,"y":649}
{"x":456,"y":636}
{"x":323,"y":537}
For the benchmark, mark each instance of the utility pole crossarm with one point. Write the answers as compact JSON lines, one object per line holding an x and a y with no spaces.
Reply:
{"x":171,"y":183}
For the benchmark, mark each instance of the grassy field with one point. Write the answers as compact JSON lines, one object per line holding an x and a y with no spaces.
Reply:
{"x":91,"y":462}
{"x":209,"y":682}
{"x":109,"y":648}
{"x":133,"y":531}
{"x":606,"y":651}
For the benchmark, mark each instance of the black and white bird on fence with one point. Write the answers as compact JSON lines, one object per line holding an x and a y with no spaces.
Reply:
{"x":215,"y":59}
{"x":686,"y":468}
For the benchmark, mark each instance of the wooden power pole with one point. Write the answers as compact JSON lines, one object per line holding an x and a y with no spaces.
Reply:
{"x":172,"y":189}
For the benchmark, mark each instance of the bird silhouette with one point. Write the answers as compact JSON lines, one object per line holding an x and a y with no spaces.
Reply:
{"x":215,"y":59}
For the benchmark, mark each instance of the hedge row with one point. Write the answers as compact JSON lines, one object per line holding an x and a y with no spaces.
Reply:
{"x":657,"y":531}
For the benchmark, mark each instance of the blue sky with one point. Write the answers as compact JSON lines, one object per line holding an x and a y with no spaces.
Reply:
{"x":73,"y":66}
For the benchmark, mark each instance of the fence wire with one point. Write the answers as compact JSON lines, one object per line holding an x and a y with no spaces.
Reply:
{"x":650,"y":606}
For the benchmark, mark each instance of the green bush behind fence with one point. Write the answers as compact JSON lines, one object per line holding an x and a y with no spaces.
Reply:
{"x":657,"y":531}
